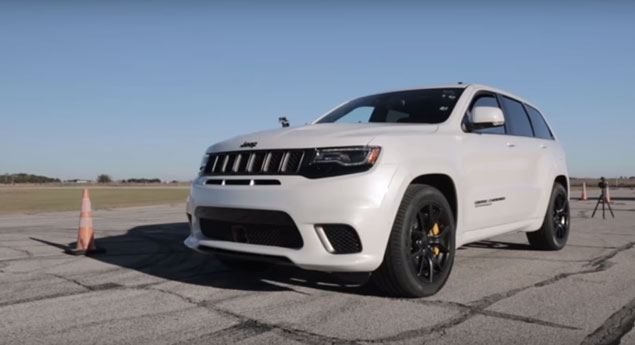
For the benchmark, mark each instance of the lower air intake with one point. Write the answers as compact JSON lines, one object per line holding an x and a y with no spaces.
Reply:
{"x":343,"y":238}
{"x":262,"y":227}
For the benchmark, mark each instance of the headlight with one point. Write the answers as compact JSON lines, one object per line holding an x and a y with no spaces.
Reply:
{"x":346,"y":156}
{"x":335,"y":161}
{"x":203,"y":163}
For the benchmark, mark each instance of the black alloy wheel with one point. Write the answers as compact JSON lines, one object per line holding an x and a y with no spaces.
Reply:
{"x":420,"y":250}
{"x":554,"y":232}
{"x":430,"y":247}
{"x":561,"y":218}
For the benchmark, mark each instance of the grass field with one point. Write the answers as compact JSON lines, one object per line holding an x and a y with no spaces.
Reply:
{"x":38,"y":199}
{"x":35,"y":199}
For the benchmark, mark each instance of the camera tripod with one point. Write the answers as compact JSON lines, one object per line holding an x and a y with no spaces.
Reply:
{"x":602,"y":200}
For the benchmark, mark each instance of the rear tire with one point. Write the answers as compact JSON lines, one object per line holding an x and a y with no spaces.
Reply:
{"x":554,"y":232}
{"x":412,"y":267}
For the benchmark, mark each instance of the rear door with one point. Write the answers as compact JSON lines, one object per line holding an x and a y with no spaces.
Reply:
{"x":525,"y":192}
{"x":546,"y":144}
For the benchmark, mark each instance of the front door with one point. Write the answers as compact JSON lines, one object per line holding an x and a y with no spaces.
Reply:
{"x":495,"y":172}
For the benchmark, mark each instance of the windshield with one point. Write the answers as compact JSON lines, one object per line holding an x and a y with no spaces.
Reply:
{"x":414,"y":106}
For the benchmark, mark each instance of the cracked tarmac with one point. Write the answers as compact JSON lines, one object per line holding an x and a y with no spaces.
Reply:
{"x":149,"y":288}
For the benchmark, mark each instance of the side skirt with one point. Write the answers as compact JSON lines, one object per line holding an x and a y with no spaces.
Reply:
{"x":484,"y":233}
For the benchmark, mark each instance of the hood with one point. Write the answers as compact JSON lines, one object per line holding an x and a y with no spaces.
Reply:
{"x":321,"y":135}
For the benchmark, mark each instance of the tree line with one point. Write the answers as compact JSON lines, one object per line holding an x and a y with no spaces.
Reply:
{"x":26,"y":178}
{"x":102,"y":178}
{"x":142,"y":180}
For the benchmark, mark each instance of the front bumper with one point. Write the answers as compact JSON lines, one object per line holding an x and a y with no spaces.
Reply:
{"x":364,"y":201}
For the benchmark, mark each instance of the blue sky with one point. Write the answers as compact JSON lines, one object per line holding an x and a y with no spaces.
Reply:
{"x":140,"y":89}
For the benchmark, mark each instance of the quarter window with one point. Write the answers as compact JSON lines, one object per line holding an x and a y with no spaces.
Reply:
{"x":541,"y":129}
{"x":516,"y":118}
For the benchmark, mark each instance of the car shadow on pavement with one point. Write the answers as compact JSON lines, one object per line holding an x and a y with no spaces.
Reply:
{"x":158,"y":250}
{"x":499,"y":245}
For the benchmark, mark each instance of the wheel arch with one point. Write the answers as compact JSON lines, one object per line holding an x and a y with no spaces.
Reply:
{"x":564,"y":181}
{"x":445,"y":184}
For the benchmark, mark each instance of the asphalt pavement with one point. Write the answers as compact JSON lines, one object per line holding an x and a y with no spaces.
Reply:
{"x":148,"y":288}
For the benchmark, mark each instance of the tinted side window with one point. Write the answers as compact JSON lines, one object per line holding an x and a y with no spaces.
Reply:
{"x":516,"y":118}
{"x":487,"y":101}
{"x":541,"y":129}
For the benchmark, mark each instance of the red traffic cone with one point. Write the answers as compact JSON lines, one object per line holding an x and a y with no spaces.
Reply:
{"x":85,"y":236}
{"x":583,"y":196}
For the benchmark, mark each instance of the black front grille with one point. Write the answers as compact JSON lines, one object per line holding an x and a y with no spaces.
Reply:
{"x":343,"y":238}
{"x":263,"y":227}
{"x":258,"y":162}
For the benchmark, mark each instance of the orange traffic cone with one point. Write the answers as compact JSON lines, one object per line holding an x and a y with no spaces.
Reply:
{"x":583,"y":196}
{"x":607,"y":194}
{"x":85,"y":237}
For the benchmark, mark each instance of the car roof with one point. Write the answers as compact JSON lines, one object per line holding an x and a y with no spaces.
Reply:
{"x":479,"y":87}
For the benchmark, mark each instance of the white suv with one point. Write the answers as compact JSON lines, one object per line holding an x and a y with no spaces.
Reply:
{"x":391,"y":183}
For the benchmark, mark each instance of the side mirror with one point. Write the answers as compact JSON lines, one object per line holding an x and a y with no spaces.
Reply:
{"x":485,"y":117}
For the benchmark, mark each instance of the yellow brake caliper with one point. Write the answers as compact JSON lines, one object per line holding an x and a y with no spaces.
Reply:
{"x":435,"y":232}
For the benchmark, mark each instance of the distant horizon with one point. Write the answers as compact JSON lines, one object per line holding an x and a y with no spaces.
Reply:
{"x":94,"y":179}
{"x":142,"y":89}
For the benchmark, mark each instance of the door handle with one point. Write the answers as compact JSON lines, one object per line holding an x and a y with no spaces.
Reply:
{"x":543,"y":146}
{"x":510,"y":145}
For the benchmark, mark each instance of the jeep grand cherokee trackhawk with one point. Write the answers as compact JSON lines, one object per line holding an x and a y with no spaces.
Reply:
{"x":391,"y":183}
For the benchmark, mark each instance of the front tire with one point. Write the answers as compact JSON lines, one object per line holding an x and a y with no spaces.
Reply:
{"x":554,"y":232}
{"x":420,"y":251}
